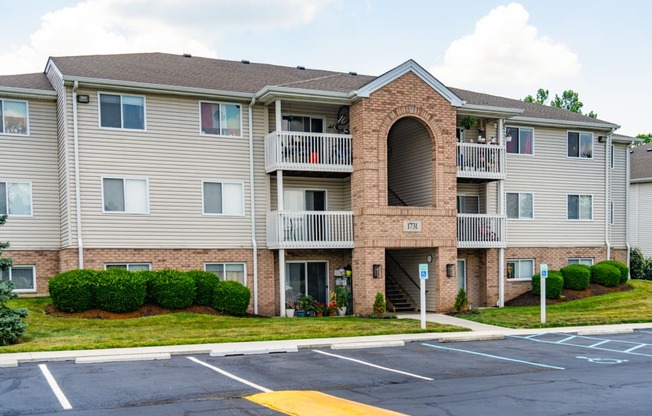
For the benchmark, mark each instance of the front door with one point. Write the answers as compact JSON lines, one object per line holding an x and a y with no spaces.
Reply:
{"x":461,"y":274}
{"x":308,"y":278}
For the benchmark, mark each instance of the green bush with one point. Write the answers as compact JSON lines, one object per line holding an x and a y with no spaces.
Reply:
{"x":74,"y":290}
{"x":231,"y":297}
{"x":622,"y":267}
{"x":379,"y":306}
{"x":206,"y":282}
{"x":554,"y":284}
{"x":605,"y":275}
{"x":148,"y":277}
{"x":118,"y":290}
{"x":638,"y":265}
{"x":173,"y":289}
{"x":11,"y":325}
{"x":461,"y":304}
{"x":576,"y":276}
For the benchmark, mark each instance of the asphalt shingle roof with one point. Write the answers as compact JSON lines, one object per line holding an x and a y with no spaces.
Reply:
{"x":36,"y":81}
{"x":641,"y":162}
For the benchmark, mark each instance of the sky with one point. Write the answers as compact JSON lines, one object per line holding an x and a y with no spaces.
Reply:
{"x":600,"y":49}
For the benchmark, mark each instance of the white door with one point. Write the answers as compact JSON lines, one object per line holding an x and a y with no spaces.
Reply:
{"x":461,"y":274}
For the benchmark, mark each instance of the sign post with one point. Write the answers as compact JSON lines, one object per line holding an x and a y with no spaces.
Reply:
{"x":543,"y":272}
{"x":423,"y":276}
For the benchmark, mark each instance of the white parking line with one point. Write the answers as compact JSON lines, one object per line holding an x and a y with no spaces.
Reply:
{"x":565,"y":339}
{"x":494,"y":356}
{"x":600,"y":343}
{"x":55,"y":387}
{"x":374,"y":365}
{"x":231,"y":376}
{"x":630,"y":351}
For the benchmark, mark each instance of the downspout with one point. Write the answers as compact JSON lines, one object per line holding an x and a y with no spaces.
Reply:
{"x":627,"y":179}
{"x":607,"y":195}
{"x":80,"y":245}
{"x":253,"y":202}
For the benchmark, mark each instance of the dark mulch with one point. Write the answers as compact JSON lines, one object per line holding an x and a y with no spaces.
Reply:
{"x":145,"y":310}
{"x":530,"y":299}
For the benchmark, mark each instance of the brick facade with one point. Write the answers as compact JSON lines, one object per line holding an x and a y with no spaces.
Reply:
{"x":45,"y":262}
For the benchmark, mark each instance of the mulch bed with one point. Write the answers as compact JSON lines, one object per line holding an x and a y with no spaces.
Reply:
{"x":146,"y":310}
{"x":530,"y":299}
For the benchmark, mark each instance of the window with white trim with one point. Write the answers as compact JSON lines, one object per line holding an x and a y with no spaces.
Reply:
{"x":14,"y":117}
{"x":228,"y":271}
{"x":520,"y":205}
{"x":580,"y":207}
{"x":125,"y":195}
{"x":303,"y":124}
{"x":519,"y":140}
{"x":580,"y":144}
{"x":132,"y":267}
{"x":587,"y":261}
{"x":24,"y":278}
{"x":520,"y":269}
{"x":468,"y":204}
{"x":121,"y":111}
{"x":16,"y":198}
{"x":226,"y":198}
{"x":221,"y":119}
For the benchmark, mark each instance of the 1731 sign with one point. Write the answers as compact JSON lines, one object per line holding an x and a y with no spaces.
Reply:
{"x":412,"y":226}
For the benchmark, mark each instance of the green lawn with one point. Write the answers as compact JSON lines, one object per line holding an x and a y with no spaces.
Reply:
{"x":613,"y":308}
{"x":50,"y":333}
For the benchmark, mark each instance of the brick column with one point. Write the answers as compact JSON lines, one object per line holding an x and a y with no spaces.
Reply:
{"x":365,"y":286}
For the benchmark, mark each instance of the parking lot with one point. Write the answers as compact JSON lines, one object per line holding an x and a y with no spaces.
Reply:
{"x":542,"y":374}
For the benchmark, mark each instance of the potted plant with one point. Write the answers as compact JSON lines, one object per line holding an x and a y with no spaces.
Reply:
{"x":290,"y":302}
{"x":342,"y":297}
{"x":467,"y":122}
{"x":307,"y":303}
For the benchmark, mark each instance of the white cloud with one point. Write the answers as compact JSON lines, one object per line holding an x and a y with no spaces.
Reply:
{"x":124,"y":26}
{"x":505,"y":49}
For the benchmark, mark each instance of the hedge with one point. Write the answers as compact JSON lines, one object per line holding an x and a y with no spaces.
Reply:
{"x":231,"y":297}
{"x":605,"y":274}
{"x":173,"y":289}
{"x":148,"y":277}
{"x":576,"y":276}
{"x":118,"y":290}
{"x":622,"y":267}
{"x":206,"y":282}
{"x":74,"y":290}
{"x":554,"y":284}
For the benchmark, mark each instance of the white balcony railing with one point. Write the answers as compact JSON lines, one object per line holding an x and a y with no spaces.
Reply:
{"x":485,"y":161}
{"x":481,"y":231}
{"x":289,"y":150}
{"x":310,"y":229}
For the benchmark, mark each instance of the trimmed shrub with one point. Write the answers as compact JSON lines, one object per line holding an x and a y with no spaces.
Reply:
{"x":576,"y":276}
{"x":461,"y":304}
{"x":379,"y":306}
{"x":74,"y":290}
{"x":206,"y":282}
{"x":11,"y":325}
{"x":231,"y":297}
{"x":118,"y":290}
{"x":605,"y":275}
{"x":638,"y":265}
{"x":554,"y":284}
{"x":173,"y":289}
{"x":622,"y":267}
{"x":148,"y":277}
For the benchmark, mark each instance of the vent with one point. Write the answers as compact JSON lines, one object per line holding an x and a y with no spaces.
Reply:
{"x":353,"y":73}
{"x":303,"y":68}
{"x":245,"y":61}
{"x":187,"y":55}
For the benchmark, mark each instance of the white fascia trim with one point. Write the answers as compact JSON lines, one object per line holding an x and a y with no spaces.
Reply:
{"x":640,"y":180}
{"x":624,"y":139}
{"x":270,"y":93}
{"x":147,"y":87}
{"x":399,"y":71}
{"x":564,"y":123}
{"x":28,"y":92}
{"x":493,"y":110}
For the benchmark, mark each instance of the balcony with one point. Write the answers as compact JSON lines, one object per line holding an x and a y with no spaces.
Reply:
{"x":320,"y":152}
{"x":480,"y":161}
{"x":309,"y":229}
{"x":481,"y":231}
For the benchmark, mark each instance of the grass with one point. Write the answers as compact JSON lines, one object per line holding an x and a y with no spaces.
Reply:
{"x":613,"y":308}
{"x":51,"y":333}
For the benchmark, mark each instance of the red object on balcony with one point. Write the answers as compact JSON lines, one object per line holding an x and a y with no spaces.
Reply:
{"x":314,"y":157}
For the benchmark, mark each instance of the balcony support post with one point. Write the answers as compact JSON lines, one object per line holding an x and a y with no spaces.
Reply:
{"x":281,"y":279}
{"x":278,"y":115}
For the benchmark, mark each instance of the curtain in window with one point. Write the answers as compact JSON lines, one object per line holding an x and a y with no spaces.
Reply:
{"x":525,"y":141}
{"x":19,"y":196}
{"x":525,"y":205}
{"x":23,"y":278}
{"x":230,"y":120}
{"x":232,"y":202}
{"x":512,"y":145}
{"x":15,"y":117}
{"x":235,"y":272}
{"x":136,"y":195}
{"x":585,"y":207}
{"x":133,"y":109}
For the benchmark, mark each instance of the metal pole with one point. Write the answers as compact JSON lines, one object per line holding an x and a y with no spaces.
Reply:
{"x":423,"y":302}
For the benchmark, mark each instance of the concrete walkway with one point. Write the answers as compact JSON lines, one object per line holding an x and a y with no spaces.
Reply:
{"x":450,"y":320}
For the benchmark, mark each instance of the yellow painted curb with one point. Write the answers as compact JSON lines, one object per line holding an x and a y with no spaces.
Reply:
{"x":315,"y":403}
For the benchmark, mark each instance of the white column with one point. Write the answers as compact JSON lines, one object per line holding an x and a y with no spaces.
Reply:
{"x":281,"y":275}
{"x":501,"y":251}
{"x":279,"y":117}
{"x":501,"y":132}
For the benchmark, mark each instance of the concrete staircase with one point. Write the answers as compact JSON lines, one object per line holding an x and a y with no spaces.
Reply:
{"x":397,"y":299}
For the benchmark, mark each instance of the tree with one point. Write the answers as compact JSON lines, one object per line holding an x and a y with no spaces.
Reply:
{"x":646,"y":137}
{"x":5,"y":263}
{"x":569,"y":100}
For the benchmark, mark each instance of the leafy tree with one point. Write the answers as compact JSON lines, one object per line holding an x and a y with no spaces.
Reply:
{"x":569,"y":100}
{"x":11,"y":325}
{"x":542,"y":97}
{"x":646,"y":137}
{"x":5,"y":263}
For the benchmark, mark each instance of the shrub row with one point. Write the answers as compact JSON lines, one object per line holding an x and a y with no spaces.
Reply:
{"x":578,"y":277}
{"x":118,"y":290}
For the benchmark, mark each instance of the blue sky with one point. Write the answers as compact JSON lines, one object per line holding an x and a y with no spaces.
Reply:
{"x":601,"y":49}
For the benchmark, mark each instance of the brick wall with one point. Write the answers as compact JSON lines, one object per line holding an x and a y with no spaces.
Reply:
{"x":46,"y":263}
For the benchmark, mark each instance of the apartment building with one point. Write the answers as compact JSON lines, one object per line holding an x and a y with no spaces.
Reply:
{"x":640,"y":198}
{"x":290,"y":179}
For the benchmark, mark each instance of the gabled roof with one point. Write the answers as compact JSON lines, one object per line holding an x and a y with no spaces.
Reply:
{"x":641,"y":163}
{"x":26,"y":84}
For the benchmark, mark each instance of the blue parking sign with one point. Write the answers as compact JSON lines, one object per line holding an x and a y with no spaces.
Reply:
{"x":423,"y":271}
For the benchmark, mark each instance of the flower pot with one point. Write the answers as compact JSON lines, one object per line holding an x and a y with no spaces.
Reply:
{"x":332,"y":313}
{"x":341,"y":311}
{"x":349,"y":272}
{"x":310,"y":313}
{"x":300,"y":313}
{"x":289,"y":313}
{"x":319,"y":314}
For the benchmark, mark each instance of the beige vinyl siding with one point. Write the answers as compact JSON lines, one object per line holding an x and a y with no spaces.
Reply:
{"x":409,"y":260}
{"x":619,"y":195}
{"x":338,"y":190}
{"x":316,"y":110}
{"x":550,"y":175}
{"x":34,"y":158}
{"x":261,"y":179}
{"x":175,"y":158}
{"x":640,"y":221}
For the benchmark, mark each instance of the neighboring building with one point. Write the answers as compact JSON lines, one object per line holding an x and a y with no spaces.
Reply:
{"x":640,"y":199}
{"x":278,"y":177}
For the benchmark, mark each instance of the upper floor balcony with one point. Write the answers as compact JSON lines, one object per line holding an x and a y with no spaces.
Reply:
{"x":298,"y":151}
{"x":309,"y":229}
{"x":481,"y":231}
{"x":480,"y":161}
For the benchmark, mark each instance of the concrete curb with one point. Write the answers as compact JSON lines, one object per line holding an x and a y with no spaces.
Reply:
{"x":473,"y":337}
{"x":372,"y":344}
{"x":122,"y":358}
{"x":247,"y":350}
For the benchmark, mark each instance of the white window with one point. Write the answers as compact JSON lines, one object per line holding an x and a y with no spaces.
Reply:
{"x":226,"y":198}
{"x":580,"y":144}
{"x":520,"y":140}
{"x":24,"y":278}
{"x":520,"y":269}
{"x":125,"y":195}
{"x":303,"y":123}
{"x":16,"y":198}
{"x":520,"y":205}
{"x":468,"y":204}
{"x":221,"y":119}
{"x":120,"y":111}
{"x":580,"y":207}
{"x":14,"y":117}
{"x":132,"y":267}
{"x":228,"y":271}
{"x":581,"y":260}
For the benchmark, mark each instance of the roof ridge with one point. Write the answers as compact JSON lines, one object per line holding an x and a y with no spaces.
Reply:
{"x":337,"y":74}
